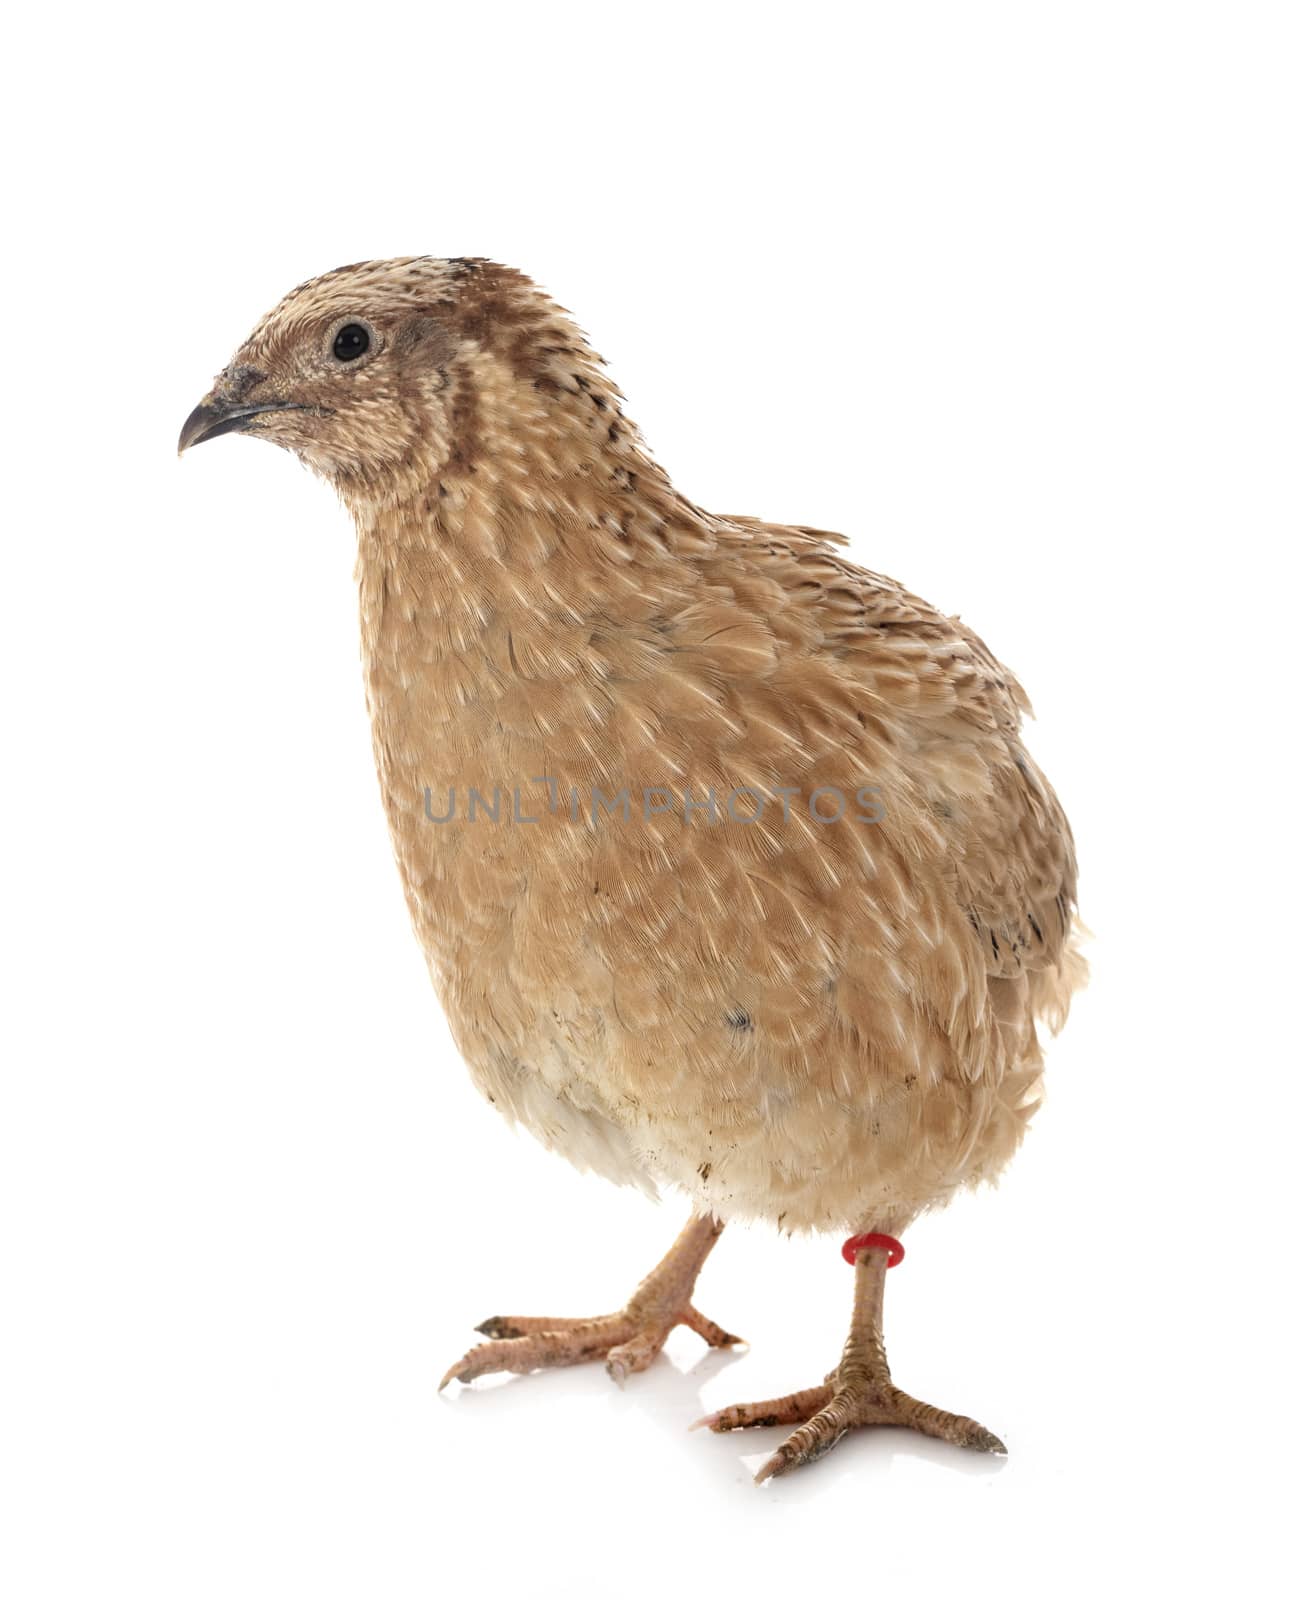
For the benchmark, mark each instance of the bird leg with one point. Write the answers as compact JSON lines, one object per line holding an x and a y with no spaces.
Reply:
{"x":859,"y":1393}
{"x":628,"y":1340}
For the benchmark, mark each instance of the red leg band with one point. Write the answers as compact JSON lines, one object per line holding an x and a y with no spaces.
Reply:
{"x":873,"y":1241}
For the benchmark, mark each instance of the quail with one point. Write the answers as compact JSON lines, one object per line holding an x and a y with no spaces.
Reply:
{"x":732,"y":872}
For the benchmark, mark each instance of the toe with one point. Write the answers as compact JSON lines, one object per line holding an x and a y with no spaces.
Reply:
{"x":711,"y":1332}
{"x":518,"y":1327}
{"x":812,"y":1439}
{"x":799,"y":1452}
{"x":529,"y":1352}
{"x":947,"y":1425}
{"x":783,"y":1412}
{"x":635,"y":1354}
{"x":474,"y":1364}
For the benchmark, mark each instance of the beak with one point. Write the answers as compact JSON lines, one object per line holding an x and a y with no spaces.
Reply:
{"x":210,"y":420}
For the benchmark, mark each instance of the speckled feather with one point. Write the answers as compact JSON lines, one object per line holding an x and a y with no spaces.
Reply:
{"x":825,"y":1025}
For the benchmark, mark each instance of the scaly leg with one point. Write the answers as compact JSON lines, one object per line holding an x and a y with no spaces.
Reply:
{"x":628,"y":1340}
{"x":859,"y":1393}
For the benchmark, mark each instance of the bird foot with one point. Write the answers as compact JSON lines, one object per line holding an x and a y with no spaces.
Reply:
{"x":628,"y":1340}
{"x":850,"y":1398}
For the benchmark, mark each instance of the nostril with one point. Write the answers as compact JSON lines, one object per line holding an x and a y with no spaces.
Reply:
{"x":243,"y":381}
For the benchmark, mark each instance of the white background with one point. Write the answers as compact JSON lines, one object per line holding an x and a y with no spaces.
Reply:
{"x":1010,"y":294}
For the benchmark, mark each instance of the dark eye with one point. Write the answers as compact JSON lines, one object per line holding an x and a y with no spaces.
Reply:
{"x":351,"y":341}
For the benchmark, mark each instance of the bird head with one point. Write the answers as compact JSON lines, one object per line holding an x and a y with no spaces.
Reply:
{"x":387,"y":375}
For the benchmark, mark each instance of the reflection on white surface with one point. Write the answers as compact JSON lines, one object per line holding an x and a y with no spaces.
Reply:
{"x":668,"y":1397}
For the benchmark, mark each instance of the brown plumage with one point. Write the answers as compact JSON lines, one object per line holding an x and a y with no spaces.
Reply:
{"x":813,"y":999}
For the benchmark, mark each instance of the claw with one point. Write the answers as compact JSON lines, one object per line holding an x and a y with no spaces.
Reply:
{"x":456,"y":1370}
{"x":983,"y":1439}
{"x":496,"y":1328}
